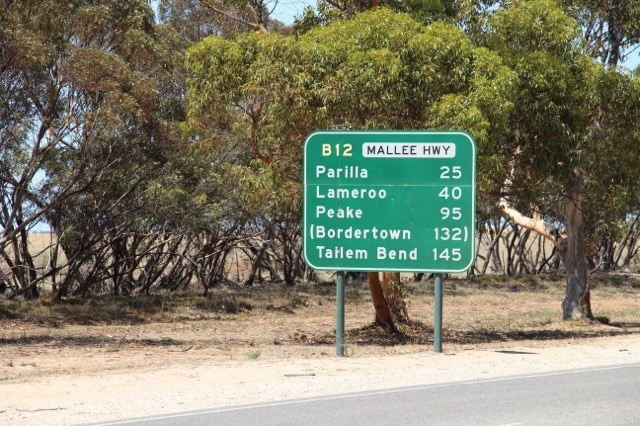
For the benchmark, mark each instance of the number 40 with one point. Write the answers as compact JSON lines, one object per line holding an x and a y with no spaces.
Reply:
{"x":451,"y":192}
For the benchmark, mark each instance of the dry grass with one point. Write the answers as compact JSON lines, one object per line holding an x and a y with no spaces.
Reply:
{"x":477,"y":310}
{"x":275,"y":321}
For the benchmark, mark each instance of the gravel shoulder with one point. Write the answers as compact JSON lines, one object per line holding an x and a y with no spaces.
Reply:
{"x":201,"y":383}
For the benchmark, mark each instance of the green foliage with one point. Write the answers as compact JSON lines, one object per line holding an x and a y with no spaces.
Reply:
{"x":422,"y":11}
{"x":569,"y":113}
{"x":97,"y":140}
{"x":88,"y":136}
{"x":612,"y":193}
{"x":254,"y":354}
{"x":530,"y":96}
{"x":380,"y":70}
{"x":529,"y":26}
{"x":549,"y":97}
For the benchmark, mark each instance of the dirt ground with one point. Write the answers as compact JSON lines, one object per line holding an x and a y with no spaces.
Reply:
{"x":91,"y":363}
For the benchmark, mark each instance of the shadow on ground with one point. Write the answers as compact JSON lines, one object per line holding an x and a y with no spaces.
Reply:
{"x":86,"y":341}
{"x":418,"y":333}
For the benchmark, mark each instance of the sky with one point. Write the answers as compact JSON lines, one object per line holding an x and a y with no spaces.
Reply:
{"x":287,"y":10}
{"x":633,"y":60}
{"x":284,"y":11}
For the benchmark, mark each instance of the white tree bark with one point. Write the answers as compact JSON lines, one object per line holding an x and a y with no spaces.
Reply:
{"x":535,"y":223}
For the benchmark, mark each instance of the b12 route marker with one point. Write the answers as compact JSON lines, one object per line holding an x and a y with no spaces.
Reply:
{"x":389,"y":201}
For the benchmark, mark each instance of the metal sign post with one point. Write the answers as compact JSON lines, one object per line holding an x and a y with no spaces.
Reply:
{"x":340,"y":313}
{"x":437,"y":314}
{"x":397,"y":201}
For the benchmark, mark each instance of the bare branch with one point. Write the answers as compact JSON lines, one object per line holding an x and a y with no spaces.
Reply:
{"x":535,"y":223}
{"x":335,"y":4}
{"x":256,"y":25}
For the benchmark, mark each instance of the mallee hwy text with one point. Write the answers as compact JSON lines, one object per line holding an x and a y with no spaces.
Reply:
{"x":415,"y":150}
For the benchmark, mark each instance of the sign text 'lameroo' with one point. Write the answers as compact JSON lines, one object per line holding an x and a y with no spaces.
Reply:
{"x":389,"y":201}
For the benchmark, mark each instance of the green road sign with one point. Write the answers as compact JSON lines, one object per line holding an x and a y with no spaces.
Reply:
{"x":389,"y":201}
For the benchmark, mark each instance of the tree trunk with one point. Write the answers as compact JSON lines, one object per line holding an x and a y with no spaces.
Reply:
{"x":577,"y":302}
{"x":383,"y":314}
{"x":614,"y":37}
{"x":393,"y":296}
{"x":387,"y":300}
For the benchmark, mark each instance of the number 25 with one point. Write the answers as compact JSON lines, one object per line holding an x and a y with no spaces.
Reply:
{"x":453,"y":172}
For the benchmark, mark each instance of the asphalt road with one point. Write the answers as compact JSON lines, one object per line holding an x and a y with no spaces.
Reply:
{"x":595,"y":396}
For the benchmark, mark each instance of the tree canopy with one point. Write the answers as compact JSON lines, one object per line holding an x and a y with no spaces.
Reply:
{"x":158,"y":147}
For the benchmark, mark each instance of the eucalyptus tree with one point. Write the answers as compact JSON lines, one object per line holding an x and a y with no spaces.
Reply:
{"x":86,"y":129}
{"x":195,"y":19}
{"x":550,"y":121}
{"x":611,"y":34}
{"x":570,"y":128}
{"x":610,"y":28}
{"x":379,"y":70}
{"x":16,"y":168}
{"x":422,"y":11}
